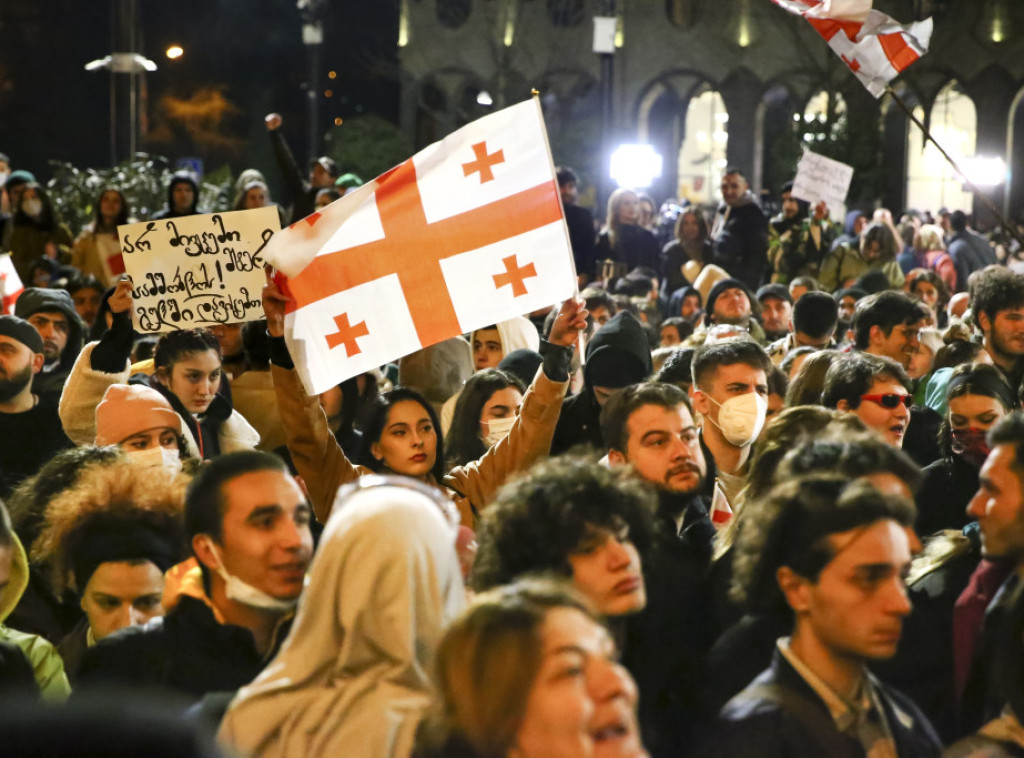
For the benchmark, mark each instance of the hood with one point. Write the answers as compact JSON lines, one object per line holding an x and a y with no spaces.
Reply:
{"x":36,"y":299}
{"x":619,"y":352}
{"x":675,"y":303}
{"x":437,"y":372}
{"x":354,"y":675}
{"x":851,"y":222}
{"x":182,"y":177}
{"x":517,"y":334}
{"x":19,"y":580}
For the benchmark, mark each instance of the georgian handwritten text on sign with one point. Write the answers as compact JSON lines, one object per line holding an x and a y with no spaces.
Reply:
{"x":197,"y":270}
{"x":819,"y":178}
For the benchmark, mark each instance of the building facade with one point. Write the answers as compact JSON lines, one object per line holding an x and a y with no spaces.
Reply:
{"x":732,"y":82}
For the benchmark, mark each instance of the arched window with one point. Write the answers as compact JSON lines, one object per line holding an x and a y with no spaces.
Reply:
{"x":683,"y":13}
{"x":566,"y":12}
{"x":452,"y":13}
{"x":931,"y":182}
{"x":702,"y":155}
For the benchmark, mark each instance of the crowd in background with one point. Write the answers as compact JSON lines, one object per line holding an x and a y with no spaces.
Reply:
{"x":774,"y":506}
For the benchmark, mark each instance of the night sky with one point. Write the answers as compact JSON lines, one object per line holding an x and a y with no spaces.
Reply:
{"x":248,"y":51}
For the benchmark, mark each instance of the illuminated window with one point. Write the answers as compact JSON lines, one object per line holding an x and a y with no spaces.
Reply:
{"x":702,"y":155}
{"x":931,"y":182}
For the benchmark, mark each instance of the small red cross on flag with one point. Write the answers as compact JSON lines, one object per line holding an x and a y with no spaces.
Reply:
{"x":436,"y":247}
{"x":875,"y":46}
{"x":483,"y":162}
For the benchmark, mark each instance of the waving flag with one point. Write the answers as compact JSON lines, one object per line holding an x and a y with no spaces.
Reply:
{"x":874,"y":46}
{"x":466,"y":233}
{"x":10,"y":283}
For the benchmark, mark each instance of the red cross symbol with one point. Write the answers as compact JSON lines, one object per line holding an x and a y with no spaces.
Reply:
{"x":347,"y":335}
{"x":483,"y":162}
{"x":853,"y":64}
{"x":413,"y":249}
{"x":311,"y":219}
{"x":514,"y":275}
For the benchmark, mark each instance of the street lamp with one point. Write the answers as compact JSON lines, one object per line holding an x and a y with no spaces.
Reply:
{"x":132,"y":64}
{"x":636,"y":166}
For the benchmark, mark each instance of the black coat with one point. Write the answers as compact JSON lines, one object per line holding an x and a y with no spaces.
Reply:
{"x":948,"y":486}
{"x":741,"y":247}
{"x":780,"y":716}
{"x":634,"y":246}
{"x":186,"y":652}
{"x":665,"y":644}
{"x":582,"y":238}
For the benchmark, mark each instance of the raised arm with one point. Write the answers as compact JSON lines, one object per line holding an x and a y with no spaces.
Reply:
{"x":315,"y":452}
{"x":529,"y":440}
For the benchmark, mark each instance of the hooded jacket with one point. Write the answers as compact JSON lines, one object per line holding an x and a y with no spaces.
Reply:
{"x":617,"y":355}
{"x":221,"y":429}
{"x":179,"y":177}
{"x":33,"y":300}
{"x":354,"y":675}
{"x":46,"y":662}
{"x":515,"y":334}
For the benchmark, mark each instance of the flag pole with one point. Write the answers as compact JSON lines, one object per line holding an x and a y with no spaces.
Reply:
{"x":565,"y":228}
{"x":1007,"y":226}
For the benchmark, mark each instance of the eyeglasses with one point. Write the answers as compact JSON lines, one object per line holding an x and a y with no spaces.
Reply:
{"x":890,"y":400}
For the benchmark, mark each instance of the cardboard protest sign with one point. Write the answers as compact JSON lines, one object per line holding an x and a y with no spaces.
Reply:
{"x":819,"y":178}
{"x":197,"y":270}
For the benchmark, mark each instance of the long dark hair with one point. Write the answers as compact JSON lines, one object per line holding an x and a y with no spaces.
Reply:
{"x":464,"y":443}
{"x":122,"y":216}
{"x":378,"y":418}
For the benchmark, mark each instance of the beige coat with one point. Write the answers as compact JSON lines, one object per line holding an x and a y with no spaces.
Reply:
{"x":324,"y":468}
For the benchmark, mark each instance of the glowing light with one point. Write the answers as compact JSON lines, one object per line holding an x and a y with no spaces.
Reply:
{"x":985,"y":171}
{"x":338,"y":121}
{"x":484,"y":98}
{"x":635,"y":166}
{"x":328,"y":92}
{"x":332,"y":74}
{"x":174,"y":52}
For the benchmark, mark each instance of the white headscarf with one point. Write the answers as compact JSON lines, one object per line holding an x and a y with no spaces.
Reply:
{"x":353,"y":677}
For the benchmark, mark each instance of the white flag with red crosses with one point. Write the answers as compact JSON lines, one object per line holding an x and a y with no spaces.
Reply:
{"x":10,"y":283}
{"x":874,"y":46}
{"x":466,"y":233}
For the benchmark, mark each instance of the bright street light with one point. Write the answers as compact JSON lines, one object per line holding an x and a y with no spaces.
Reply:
{"x":174,"y":52}
{"x":635,"y":166}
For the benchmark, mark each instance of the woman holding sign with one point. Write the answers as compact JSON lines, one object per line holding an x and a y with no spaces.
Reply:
{"x":188,"y":374}
{"x":403,"y":435}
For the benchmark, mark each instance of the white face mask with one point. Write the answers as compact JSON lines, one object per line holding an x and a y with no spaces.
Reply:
{"x":32,"y":207}
{"x":154,"y":457}
{"x":246,"y":594}
{"x":498,"y":429}
{"x":741,"y":418}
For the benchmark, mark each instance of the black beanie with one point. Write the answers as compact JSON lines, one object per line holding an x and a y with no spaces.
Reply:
{"x":21,"y":330}
{"x":522,"y":363}
{"x":720,"y":287}
{"x":115,"y":540}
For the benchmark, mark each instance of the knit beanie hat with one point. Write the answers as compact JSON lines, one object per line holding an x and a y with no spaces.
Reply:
{"x":128,"y":409}
{"x":21,"y":330}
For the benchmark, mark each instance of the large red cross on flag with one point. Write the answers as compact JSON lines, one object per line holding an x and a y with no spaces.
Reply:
{"x":874,"y":46}
{"x":466,"y":233}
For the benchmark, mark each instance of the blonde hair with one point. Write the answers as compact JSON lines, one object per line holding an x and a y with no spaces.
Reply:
{"x":615,"y":201}
{"x":486,"y":666}
{"x":929,"y":237}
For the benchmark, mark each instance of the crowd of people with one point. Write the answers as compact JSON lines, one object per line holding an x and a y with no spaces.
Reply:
{"x":773,"y":507}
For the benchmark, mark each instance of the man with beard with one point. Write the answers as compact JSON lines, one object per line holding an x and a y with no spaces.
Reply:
{"x":776,"y":311}
{"x":998,"y":307}
{"x":740,"y":231}
{"x":650,"y":428}
{"x":731,"y":302}
{"x":32,"y":432}
{"x":52,"y":313}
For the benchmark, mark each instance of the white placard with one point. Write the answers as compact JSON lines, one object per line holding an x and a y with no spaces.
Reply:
{"x":819,"y":178}
{"x":197,"y":270}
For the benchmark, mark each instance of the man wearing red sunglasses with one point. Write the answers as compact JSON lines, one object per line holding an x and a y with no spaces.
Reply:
{"x":873,"y":388}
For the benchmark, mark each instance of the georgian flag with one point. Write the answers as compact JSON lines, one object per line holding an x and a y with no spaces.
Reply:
{"x":10,"y":283}
{"x":466,"y":233}
{"x":873,"y":45}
